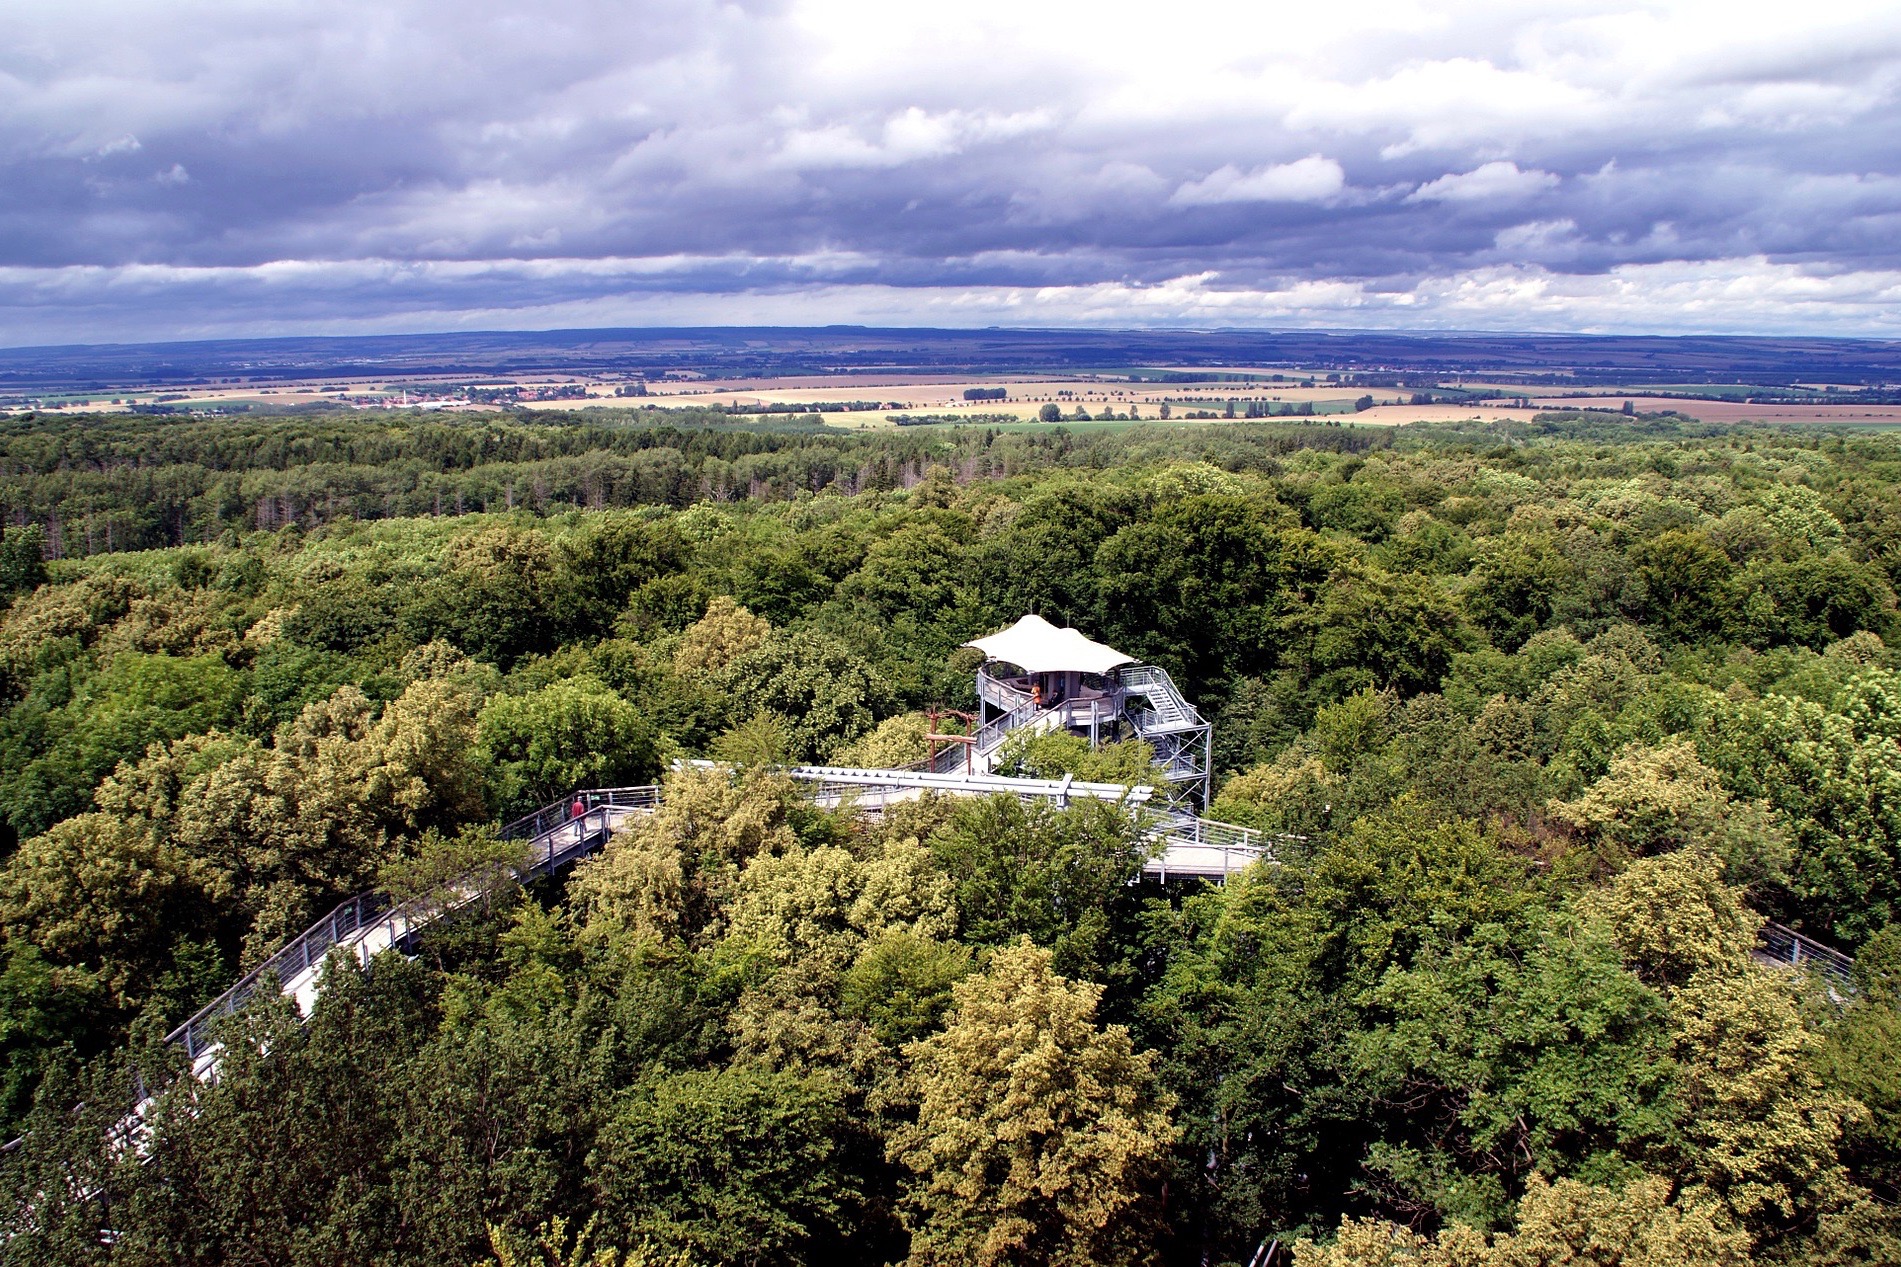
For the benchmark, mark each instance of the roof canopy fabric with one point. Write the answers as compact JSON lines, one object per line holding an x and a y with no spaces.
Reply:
{"x":1036,"y":646}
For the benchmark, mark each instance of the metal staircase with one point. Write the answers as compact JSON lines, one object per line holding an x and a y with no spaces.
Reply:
{"x":1182,"y":738}
{"x":1168,"y":710}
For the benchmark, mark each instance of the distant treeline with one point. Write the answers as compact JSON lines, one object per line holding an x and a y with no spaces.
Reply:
{"x":98,"y":484}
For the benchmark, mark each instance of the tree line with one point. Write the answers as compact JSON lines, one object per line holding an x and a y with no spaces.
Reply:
{"x":116,"y":483}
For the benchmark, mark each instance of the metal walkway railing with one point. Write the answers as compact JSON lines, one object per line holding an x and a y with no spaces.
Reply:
{"x":370,"y":923}
{"x":1190,"y":846}
{"x":1187,"y":846}
{"x":1784,"y":947}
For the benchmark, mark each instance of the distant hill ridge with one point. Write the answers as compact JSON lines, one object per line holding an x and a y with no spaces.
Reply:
{"x":732,"y":351}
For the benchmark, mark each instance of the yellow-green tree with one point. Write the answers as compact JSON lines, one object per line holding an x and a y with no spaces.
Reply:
{"x":1656,"y":799}
{"x":1562,"y":1224}
{"x":667,"y":874}
{"x":726,"y":632}
{"x":895,"y":742}
{"x":99,"y":893}
{"x":1041,"y":1137}
{"x":1674,"y":918}
{"x":802,"y":918}
{"x":1758,"y":1134}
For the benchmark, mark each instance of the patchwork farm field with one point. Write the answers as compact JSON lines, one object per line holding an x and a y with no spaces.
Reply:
{"x":866,"y":380}
{"x":1736,"y":411}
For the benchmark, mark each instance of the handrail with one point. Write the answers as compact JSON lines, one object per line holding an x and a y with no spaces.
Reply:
{"x":1058,"y":790}
{"x":1782,"y":944}
{"x":1190,"y":829}
{"x":990,"y":737}
{"x":309,"y":947}
{"x":992,"y":733}
{"x":548,"y":817}
{"x":1009,"y":694}
{"x":555,"y":833}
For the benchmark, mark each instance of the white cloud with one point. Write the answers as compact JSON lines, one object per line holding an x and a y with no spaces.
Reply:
{"x":1497,"y":181}
{"x":1543,"y":240}
{"x":909,"y":136}
{"x":118,"y":145}
{"x":1310,"y":179}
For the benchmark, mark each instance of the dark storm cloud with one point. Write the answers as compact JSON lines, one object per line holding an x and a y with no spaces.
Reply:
{"x":206,"y":168}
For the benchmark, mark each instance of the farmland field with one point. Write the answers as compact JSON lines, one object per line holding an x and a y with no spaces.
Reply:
{"x":1735,"y":411}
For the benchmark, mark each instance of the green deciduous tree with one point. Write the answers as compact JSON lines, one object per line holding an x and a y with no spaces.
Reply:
{"x":1674,"y":918}
{"x":1835,"y":774}
{"x":667,"y":875}
{"x":574,"y":733}
{"x":1061,"y":877}
{"x":827,"y":694}
{"x":894,"y":743}
{"x":22,"y":559}
{"x":735,"y":1165}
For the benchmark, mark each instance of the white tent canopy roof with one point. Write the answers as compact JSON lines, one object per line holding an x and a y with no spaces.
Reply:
{"x":1036,"y":646}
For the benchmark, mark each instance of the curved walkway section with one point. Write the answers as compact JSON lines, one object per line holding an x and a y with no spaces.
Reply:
{"x":370,"y":923}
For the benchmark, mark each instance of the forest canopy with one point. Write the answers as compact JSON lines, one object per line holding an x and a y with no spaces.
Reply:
{"x":1550,"y":718}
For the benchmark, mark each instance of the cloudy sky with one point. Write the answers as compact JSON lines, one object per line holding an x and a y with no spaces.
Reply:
{"x":201,"y":168}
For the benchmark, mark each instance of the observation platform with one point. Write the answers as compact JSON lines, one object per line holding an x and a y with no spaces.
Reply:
{"x":1038,"y":678}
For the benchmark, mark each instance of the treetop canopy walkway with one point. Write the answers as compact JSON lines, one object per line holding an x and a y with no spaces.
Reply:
{"x":366,"y":925}
{"x":1183,"y":846}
